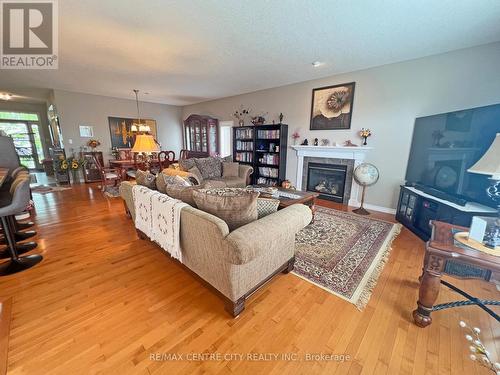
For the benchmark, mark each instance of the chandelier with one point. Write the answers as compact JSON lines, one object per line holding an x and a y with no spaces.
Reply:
{"x":138,"y":126}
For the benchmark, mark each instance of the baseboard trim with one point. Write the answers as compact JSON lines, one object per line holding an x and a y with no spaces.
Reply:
{"x":374,"y":207}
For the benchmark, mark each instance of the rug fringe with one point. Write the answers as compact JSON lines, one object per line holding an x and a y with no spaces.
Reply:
{"x":365,"y":295}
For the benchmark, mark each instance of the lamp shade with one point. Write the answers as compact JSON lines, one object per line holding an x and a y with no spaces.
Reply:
{"x":489,"y":164}
{"x":145,"y":143}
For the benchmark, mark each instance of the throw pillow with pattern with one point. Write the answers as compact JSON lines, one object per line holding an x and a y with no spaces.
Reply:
{"x":186,"y":164}
{"x":209,"y":167}
{"x":237,"y":207}
{"x":145,"y":178}
{"x":196,"y":172}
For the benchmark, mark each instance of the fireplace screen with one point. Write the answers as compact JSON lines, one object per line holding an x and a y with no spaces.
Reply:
{"x":327,"y":179}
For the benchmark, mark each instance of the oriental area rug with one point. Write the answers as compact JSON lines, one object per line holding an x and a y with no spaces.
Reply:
{"x":344,"y":253}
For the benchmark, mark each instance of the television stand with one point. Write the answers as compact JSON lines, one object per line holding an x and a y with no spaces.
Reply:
{"x":439,"y":194}
{"x":416,"y":208}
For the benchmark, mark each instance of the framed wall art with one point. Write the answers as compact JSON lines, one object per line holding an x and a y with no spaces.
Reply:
{"x":331,"y":107}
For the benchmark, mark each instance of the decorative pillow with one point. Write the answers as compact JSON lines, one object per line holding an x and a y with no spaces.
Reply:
{"x":237,"y":207}
{"x":227,"y":159}
{"x":230,"y":169}
{"x":209,"y":167}
{"x":163,"y":180}
{"x":186,"y":164}
{"x":145,"y":178}
{"x":267,"y":206}
{"x":183,"y":193}
{"x":196,"y":172}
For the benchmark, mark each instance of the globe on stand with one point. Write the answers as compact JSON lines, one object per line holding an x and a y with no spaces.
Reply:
{"x":365,"y":174}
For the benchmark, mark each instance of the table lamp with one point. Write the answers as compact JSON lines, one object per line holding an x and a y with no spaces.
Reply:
{"x":145,"y":144}
{"x":489,"y":165}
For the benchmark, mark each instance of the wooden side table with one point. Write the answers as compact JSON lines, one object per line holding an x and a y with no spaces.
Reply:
{"x":443,"y":257}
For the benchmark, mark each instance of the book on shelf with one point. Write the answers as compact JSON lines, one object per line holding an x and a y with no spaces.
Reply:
{"x":245,"y":133}
{"x":270,"y":159}
{"x":268,"y":134}
{"x":244,"y":157}
{"x":244,"y":146}
{"x":268,"y":172}
{"x":267,"y":181}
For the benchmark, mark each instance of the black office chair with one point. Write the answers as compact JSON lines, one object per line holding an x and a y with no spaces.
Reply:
{"x":20,"y":199}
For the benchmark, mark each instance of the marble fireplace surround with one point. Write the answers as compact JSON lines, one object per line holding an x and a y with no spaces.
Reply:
{"x":350,"y":156}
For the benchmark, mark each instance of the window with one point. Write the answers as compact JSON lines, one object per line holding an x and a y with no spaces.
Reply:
{"x":226,"y":128}
{"x":18,"y":116}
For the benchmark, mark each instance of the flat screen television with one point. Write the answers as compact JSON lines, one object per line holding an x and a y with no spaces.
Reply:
{"x":444,"y":146}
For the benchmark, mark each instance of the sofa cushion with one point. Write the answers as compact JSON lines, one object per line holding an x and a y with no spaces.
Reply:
{"x":237,"y":207}
{"x":145,"y":178}
{"x":186,"y":164}
{"x":183,"y":193}
{"x":230,"y":169}
{"x":209,"y":167}
{"x":162,"y":180}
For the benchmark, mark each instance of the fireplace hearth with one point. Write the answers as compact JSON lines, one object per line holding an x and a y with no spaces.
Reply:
{"x":328,"y":180}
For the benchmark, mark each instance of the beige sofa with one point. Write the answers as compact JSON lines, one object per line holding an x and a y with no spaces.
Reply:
{"x":236,"y":263}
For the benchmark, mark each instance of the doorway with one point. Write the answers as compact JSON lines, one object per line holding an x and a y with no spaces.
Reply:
{"x":24,"y":128}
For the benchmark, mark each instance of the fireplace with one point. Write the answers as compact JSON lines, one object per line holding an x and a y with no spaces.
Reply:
{"x":328,"y":180}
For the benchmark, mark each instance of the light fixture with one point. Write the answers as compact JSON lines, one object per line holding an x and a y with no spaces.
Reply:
{"x":139,"y":127}
{"x":5,"y":96}
{"x":316,"y":64}
{"x":145,"y":144}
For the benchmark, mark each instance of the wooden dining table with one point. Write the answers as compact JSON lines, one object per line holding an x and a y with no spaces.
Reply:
{"x":123,"y":166}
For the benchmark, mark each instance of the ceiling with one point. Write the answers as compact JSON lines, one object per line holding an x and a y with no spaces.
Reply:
{"x":188,"y":51}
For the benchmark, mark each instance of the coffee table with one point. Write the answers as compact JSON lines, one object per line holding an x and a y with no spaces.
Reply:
{"x":300,"y":197}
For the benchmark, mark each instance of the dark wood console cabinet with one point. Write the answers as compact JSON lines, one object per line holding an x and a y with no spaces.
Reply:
{"x":416,"y":209}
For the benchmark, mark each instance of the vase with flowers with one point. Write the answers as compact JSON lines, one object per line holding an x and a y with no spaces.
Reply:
{"x":75,"y":164}
{"x":93,"y":144}
{"x":240,"y":115}
{"x":295,"y":137}
{"x":365,"y":133}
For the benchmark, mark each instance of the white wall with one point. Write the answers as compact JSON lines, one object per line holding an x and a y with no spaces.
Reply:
{"x":83,"y":109}
{"x":387,"y":100}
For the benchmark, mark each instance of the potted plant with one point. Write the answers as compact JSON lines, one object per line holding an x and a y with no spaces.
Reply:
{"x":241,"y":114}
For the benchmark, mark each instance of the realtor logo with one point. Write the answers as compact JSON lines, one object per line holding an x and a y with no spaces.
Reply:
{"x":29,"y":34}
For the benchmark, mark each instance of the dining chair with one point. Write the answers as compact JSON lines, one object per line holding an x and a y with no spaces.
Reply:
{"x":165,"y":158}
{"x":109,"y":176}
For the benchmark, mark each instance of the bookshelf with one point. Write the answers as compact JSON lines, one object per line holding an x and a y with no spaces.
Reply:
{"x":264,"y":148}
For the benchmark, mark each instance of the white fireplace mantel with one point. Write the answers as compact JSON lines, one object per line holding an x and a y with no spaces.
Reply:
{"x":357,"y":154}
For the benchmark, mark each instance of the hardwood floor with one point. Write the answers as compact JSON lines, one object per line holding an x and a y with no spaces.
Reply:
{"x":103,"y":302}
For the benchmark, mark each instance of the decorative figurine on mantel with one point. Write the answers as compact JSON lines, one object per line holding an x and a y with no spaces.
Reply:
{"x":315,"y":141}
{"x":348,"y":143}
{"x":365,"y":133}
{"x":305,"y":143}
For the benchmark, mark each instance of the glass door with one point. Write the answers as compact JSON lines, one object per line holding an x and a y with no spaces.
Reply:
{"x":26,"y":136}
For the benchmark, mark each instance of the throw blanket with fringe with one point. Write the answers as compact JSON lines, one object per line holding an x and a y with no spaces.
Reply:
{"x":143,"y":208}
{"x":166,"y":220}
